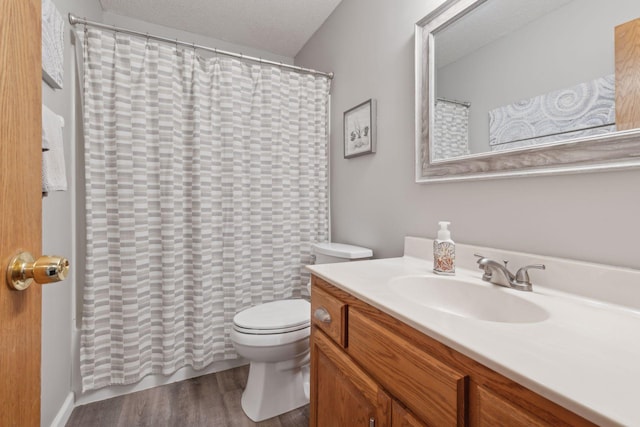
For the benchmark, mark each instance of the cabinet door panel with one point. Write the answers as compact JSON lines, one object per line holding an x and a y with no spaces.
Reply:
{"x":400,"y":417}
{"x":342,"y":394}
{"x":431,"y":389}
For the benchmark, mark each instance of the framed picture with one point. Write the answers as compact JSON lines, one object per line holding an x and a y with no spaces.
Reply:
{"x":52,"y":45}
{"x":360,"y":129}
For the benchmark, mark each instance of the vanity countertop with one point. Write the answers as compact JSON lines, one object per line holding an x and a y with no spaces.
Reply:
{"x":585,"y":356}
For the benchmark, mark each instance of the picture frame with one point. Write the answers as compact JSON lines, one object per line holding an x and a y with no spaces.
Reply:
{"x":52,"y":45}
{"x":359,"y":129}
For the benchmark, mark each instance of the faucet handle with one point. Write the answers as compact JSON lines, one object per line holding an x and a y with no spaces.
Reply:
{"x":522,"y":275}
{"x":482,"y":265}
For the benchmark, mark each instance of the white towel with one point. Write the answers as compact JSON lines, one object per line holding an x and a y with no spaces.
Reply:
{"x":54,"y":174}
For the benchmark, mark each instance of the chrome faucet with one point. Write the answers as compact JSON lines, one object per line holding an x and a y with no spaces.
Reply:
{"x":499,"y":274}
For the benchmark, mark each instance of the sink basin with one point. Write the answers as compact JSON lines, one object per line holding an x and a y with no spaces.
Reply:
{"x":467,"y":299}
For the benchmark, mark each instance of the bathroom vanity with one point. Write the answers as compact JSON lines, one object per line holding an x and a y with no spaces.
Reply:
{"x":387,"y":349}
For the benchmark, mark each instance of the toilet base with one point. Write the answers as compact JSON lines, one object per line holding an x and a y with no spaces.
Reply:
{"x":275,"y":388}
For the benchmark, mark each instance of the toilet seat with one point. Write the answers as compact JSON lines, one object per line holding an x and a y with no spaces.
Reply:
{"x":270,"y":331}
{"x":269,"y":340}
{"x":276,"y":317}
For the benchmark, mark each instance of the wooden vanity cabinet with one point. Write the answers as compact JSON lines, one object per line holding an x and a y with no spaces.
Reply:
{"x":370,"y":369}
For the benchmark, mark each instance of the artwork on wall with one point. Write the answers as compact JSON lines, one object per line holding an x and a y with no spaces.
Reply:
{"x":360,"y":129}
{"x":52,"y":45}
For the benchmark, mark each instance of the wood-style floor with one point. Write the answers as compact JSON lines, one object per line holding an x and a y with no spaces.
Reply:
{"x":211,"y":400}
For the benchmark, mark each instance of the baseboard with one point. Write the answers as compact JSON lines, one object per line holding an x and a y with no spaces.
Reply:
{"x":65,"y":411}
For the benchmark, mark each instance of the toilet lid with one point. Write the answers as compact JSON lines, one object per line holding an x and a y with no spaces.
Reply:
{"x":275,"y":315}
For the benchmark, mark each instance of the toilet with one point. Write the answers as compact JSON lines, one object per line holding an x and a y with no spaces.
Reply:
{"x":274,"y":337}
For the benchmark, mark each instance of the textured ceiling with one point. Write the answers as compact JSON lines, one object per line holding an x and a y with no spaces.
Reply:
{"x":277,"y":26}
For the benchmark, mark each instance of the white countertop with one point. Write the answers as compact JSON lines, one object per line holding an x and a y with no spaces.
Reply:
{"x":585,"y":356}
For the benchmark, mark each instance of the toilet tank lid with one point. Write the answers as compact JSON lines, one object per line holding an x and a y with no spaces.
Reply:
{"x":341,"y":250}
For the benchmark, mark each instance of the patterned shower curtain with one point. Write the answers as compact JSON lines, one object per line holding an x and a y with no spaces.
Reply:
{"x":451,"y":132}
{"x":206,"y":184}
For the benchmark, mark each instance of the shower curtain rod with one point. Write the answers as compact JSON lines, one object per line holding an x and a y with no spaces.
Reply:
{"x":74,"y":20}
{"x":466,"y":104}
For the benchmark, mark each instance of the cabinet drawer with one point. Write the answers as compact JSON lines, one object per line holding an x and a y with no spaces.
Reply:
{"x":329,"y":314}
{"x":433,"y":391}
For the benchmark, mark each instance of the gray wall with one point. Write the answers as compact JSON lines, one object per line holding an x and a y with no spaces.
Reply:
{"x":375,"y":201}
{"x":138,"y":25}
{"x":58,"y":235}
{"x":573,"y":44}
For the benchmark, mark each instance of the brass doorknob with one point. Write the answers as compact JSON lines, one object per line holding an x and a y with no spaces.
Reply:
{"x":24,"y":269}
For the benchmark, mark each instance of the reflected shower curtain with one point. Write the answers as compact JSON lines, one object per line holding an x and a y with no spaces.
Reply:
{"x":451,"y":131}
{"x":206,"y":183}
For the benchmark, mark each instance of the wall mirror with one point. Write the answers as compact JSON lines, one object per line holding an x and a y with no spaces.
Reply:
{"x":521,"y":87}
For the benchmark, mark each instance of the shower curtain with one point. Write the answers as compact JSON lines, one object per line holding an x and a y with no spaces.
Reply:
{"x":206,"y":184}
{"x":451,"y":131}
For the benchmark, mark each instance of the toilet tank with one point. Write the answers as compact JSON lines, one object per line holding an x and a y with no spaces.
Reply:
{"x":328,"y":252}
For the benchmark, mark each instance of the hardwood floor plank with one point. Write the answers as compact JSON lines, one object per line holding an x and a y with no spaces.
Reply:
{"x":208,"y":401}
{"x":161,"y":404}
{"x":235,"y":415}
{"x":295,"y":418}
{"x":232,"y":379}
{"x":103,"y":413}
{"x":136,"y":409}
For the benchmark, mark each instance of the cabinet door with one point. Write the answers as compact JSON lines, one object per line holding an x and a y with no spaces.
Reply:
{"x":401,"y":417}
{"x":341,"y":393}
{"x":431,"y":389}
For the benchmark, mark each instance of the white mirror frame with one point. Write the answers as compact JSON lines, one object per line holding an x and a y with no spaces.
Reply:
{"x":617,"y":150}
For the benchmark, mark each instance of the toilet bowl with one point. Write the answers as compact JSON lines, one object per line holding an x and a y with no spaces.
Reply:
{"x":274,"y":337}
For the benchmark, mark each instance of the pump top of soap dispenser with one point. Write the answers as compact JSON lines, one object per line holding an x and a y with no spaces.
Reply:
{"x":444,"y":233}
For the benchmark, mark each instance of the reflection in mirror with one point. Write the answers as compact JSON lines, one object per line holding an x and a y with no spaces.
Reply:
{"x":518,"y":73}
{"x":521,"y":88}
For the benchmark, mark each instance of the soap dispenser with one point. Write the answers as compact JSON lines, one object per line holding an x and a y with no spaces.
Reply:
{"x":444,"y":251}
